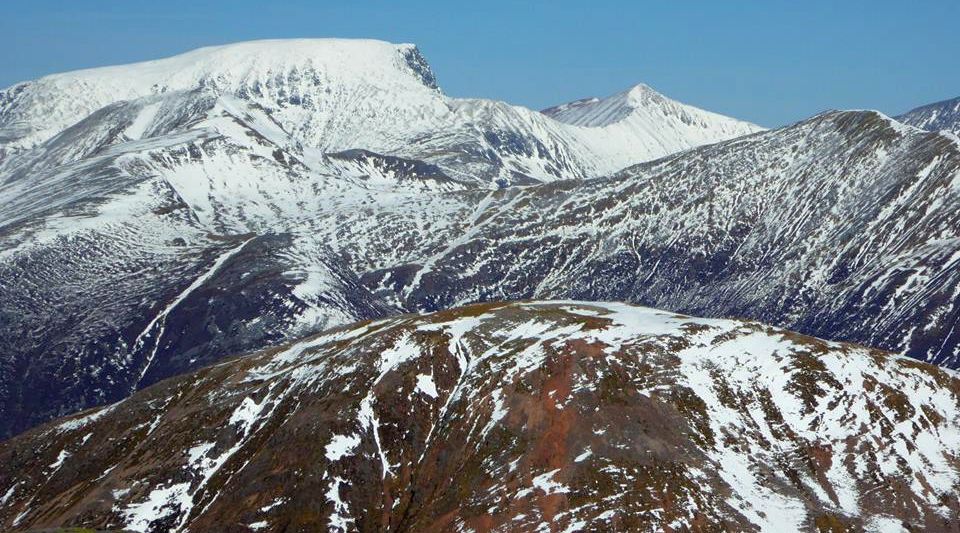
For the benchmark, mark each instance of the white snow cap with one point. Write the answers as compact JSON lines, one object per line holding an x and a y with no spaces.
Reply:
{"x":282,"y":68}
{"x":233,"y":63}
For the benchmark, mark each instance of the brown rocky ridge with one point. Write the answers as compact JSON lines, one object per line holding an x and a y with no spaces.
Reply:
{"x":523,"y":416}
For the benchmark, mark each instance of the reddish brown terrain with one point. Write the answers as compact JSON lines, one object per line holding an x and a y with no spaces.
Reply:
{"x":527,"y":416}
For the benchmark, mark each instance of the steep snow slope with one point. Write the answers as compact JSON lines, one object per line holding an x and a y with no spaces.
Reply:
{"x":525,"y":416}
{"x":333,"y":95}
{"x":290,"y":75}
{"x":939,"y":116}
{"x":158,"y":254}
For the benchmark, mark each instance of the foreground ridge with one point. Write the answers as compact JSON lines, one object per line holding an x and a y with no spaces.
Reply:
{"x":510,"y":417}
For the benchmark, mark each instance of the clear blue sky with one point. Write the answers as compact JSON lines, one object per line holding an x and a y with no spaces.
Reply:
{"x":772,"y":62}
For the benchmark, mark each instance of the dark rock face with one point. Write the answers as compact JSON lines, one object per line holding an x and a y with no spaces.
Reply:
{"x":511,"y":416}
{"x":411,"y":173}
{"x":420,"y":66}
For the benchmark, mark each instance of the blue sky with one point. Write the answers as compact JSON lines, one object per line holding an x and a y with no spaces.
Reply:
{"x":772,"y":62}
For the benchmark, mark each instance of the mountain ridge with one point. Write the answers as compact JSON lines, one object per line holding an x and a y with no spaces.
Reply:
{"x":327,"y":239}
{"x":108,"y":226}
{"x":579,"y":415}
{"x":938,"y":116}
{"x":389,"y":104}
{"x":766,"y":205}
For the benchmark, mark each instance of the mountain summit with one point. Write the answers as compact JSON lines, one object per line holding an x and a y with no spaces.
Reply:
{"x":524,"y":416}
{"x":642,"y":115}
{"x":334,"y":94}
{"x":285,"y":72}
{"x":641,"y":99}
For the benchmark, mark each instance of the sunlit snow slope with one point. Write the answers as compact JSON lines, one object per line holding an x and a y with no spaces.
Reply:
{"x":328,"y":95}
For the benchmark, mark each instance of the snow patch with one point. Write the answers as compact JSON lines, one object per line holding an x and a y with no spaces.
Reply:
{"x":426,"y":385}
{"x":142,"y":121}
{"x":341,"y":446}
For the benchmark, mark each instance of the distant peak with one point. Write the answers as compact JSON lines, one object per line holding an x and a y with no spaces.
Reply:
{"x":636,"y":95}
{"x":597,"y":112}
{"x":640,"y":89}
{"x":642,"y":94}
{"x":637,"y":100}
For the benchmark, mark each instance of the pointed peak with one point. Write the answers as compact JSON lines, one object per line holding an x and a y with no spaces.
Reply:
{"x":593,"y":111}
{"x":637,"y":99}
{"x":642,"y":94}
{"x":640,"y":89}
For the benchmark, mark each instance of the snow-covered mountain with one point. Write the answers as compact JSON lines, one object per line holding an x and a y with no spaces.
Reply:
{"x":939,"y":116}
{"x":528,"y":416}
{"x":844,"y":226}
{"x":199,"y":213}
{"x":329,"y":95}
{"x":640,"y":113}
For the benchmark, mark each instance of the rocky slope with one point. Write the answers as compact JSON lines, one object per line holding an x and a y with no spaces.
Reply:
{"x":169,"y":256}
{"x":939,"y":116}
{"x":558,"y":416}
{"x":844,"y":226}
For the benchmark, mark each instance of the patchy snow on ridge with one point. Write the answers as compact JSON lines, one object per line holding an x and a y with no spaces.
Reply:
{"x":581,"y":414}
